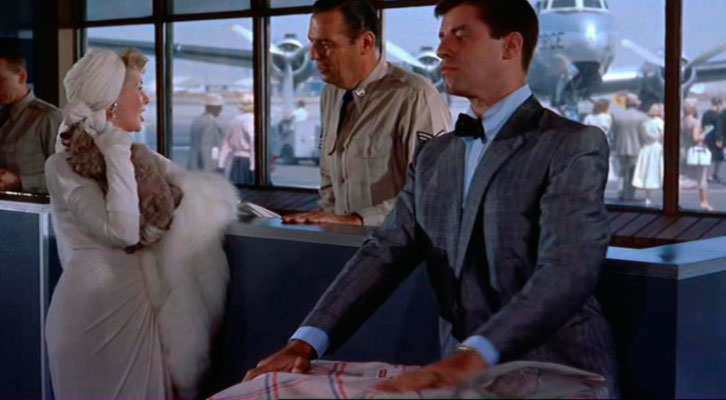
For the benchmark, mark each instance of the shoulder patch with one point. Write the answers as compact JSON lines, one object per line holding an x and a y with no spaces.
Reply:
{"x":422,"y":136}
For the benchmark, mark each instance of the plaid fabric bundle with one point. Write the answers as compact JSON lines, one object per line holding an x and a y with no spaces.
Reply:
{"x":343,"y":380}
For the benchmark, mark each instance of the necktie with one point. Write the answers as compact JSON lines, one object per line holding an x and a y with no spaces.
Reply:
{"x":467,"y":126}
{"x":347,"y":98}
{"x":4,"y":115}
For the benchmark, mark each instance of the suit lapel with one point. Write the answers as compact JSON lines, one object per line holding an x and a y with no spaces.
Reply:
{"x":507,"y":142}
{"x":454,"y":175}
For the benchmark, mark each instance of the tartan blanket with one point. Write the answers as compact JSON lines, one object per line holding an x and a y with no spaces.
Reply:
{"x":343,"y":380}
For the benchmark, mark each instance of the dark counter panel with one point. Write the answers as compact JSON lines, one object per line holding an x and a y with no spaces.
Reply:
{"x":260,"y":317}
{"x":23,"y":254}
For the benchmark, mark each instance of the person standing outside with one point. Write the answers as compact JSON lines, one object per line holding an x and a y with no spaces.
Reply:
{"x":207,"y":135}
{"x":628,"y":134}
{"x":713,"y":132}
{"x":237,"y":156}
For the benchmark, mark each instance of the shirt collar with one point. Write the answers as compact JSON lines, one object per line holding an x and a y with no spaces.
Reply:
{"x":17,"y":108}
{"x":378,"y":73}
{"x":498,"y":114}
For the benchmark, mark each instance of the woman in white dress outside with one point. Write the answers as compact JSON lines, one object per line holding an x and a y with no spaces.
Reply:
{"x":602,"y":119}
{"x":600,"y":116}
{"x":237,"y":157}
{"x":129,"y":325}
{"x":692,"y":135}
{"x":648,"y":173}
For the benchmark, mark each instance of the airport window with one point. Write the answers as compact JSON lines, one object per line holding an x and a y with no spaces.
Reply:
{"x":295,"y":88}
{"x":412,"y":46}
{"x":140,"y":37}
{"x":212,"y":123}
{"x":703,"y":129}
{"x":196,"y":6}
{"x":105,"y":9}
{"x":585,"y":66}
{"x":584,"y":61}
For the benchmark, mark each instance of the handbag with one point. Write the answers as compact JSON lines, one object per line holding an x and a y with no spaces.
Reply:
{"x":698,"y":155}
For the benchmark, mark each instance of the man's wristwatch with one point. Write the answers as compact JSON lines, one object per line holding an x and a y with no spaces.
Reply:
{"x":463,"y":347}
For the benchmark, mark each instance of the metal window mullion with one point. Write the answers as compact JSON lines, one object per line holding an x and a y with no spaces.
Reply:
{"x":674,"y":48}
{"x":166,"y":136}
{"x":260,"y":46}
{"x":159,"y":36}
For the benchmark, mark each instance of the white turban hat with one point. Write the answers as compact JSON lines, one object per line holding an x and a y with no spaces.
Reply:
{"x":92,"y":85}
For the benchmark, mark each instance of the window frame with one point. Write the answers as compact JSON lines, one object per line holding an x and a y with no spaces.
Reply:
{"x":260,"y":12}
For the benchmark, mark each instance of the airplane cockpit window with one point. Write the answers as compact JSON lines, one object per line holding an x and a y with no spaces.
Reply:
{"x":290,"y":3}
{"x":605,"y":4}
{"x":195,"y":6}
{"x":592,"y":4}
{"x":564,"y":3}
{"x":540,"y":5}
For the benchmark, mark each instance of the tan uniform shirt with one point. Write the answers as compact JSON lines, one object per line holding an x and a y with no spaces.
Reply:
{"x":27,"y":139}
{"x":364,"y":168}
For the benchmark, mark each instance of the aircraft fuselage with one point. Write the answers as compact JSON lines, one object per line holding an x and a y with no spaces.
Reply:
{"x":573,"y":42}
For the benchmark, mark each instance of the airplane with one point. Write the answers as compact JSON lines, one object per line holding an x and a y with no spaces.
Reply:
{"x":573,"y":59}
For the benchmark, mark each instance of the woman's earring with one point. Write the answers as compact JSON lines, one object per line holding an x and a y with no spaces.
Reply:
{"x":112,"y":111}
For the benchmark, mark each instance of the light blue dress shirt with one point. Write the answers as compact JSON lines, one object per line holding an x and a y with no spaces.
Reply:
{"x":493,"y":120}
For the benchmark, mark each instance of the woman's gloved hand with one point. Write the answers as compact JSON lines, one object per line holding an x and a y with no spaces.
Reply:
{"x":110,"y":140}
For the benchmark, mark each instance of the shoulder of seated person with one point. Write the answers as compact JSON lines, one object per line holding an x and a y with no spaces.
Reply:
{"x":39,"y":104}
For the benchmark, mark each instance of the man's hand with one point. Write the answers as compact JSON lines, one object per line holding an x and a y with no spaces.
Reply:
{"x":9,"y":180}
{"x":447,"y":372}
{"x":320,"y":218}
{"x":295,"y":358}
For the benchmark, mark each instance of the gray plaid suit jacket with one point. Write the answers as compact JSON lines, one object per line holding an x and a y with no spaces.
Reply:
{"x":539,"y":190}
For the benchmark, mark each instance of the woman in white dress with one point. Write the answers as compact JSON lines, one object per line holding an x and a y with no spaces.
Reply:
{"x":237,"y":156}
{"x":602,"y":119}
{"x":129,"y":325}
{"x":648,"y":173}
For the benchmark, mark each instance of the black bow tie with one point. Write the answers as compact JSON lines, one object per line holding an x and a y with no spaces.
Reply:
{"x":467,"y":126}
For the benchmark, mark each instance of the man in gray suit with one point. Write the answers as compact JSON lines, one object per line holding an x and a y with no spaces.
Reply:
{"x":206,"y":135}
{"x":628,"y":134}
{"x":507,"y":212}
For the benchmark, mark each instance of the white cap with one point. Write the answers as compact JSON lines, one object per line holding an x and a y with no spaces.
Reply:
{"x":213,"y":99}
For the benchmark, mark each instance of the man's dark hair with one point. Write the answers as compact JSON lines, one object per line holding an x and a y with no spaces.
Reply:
{"x":359,"y":15}
{"x":503,"y":17}
{"x":716,"y":101}
{"x":11,"y":52}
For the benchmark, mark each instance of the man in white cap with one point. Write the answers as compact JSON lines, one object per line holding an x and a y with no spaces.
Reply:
{"x":206,"y":135}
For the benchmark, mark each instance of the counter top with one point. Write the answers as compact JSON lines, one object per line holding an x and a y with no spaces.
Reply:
{"x":23,"y":206}
{"x":676,"y":261}
{"x":273,"y":228}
